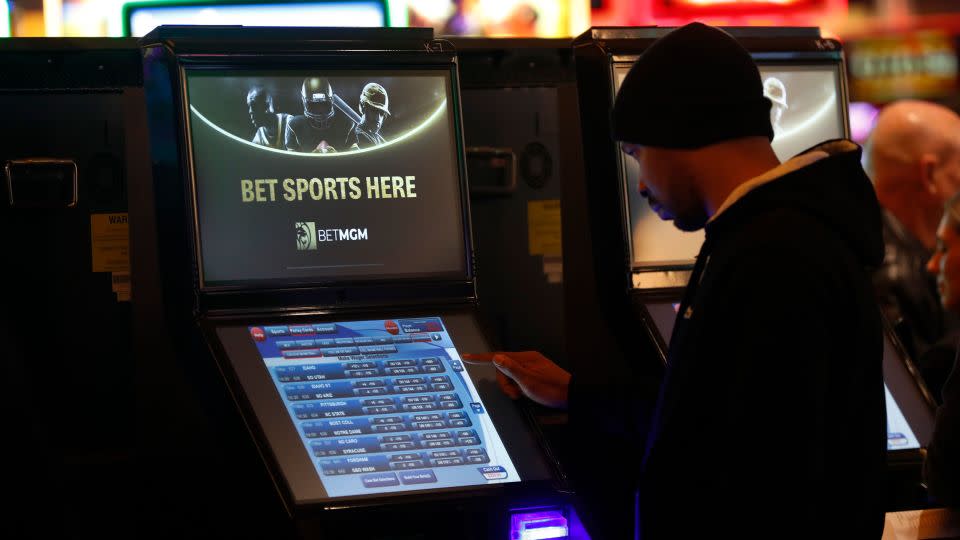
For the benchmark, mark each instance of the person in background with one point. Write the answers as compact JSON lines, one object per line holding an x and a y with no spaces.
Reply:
{"x":941,"y":468}
{"x":913,"y":159}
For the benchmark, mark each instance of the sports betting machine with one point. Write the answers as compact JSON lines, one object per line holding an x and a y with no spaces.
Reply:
{"x":636,"y":272}
{"x":312,"y":240}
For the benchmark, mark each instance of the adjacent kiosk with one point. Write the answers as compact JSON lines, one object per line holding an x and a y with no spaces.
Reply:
{"x":634,"y":267}
{"x":329,"y":274}
{"x":521,"y":130}
{"x":75,"y":138}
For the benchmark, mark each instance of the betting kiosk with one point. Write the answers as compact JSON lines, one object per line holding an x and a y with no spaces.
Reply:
{"x":313,"y":240}
{"x":74,"y":139}
{"x":638,"y":276}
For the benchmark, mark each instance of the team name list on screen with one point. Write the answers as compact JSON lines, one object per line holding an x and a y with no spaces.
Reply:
{"x":328,"y":189}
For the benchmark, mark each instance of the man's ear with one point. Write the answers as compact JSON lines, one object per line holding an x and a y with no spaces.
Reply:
{"x":928,"y":168}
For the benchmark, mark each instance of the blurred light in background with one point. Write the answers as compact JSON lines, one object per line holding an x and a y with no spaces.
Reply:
{"x":863,"y":116}
{"x":4,"y":19}
{"x":822,"y":13}
{"x":53,"y":18}
{"x":142,"y":17}
{"x":517,"y":18}
{"x":91,"y":18}
{"x":502,"y":18}
{"x":921,"y":65}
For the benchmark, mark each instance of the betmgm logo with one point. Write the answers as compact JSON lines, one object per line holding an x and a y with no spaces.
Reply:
{"x":308,"y":235}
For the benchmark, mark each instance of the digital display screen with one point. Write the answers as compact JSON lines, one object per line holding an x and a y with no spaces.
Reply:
{"x":383,"y":406}
{"x":323,"y":176}
{"x":806,"y":110}
{"x":900,"y":436}
{"x":143,"y":19}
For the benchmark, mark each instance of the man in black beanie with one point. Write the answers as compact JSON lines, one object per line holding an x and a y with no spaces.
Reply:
{"x":770,"y":420}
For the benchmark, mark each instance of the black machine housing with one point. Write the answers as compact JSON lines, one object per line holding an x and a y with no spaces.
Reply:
{"x":74,"y":139}
{"x":521,"y":130}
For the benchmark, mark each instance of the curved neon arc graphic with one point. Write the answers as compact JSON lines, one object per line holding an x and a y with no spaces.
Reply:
{"x":430,"y":119}
{"x":825,"y":108}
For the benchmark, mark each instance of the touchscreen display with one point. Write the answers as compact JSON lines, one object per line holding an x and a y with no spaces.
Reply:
{"x":806,"y":110}
{"x":322,"y":176}
{"x":383,"y":406}
{"x":900,"y":436}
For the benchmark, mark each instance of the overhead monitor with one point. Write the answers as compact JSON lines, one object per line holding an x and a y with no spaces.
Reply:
{"x":382,"y":407}
{"x":807,"y":108}
{"x":325,"y":176}
{"x":139,"y":18}
{"x":909,"y":417}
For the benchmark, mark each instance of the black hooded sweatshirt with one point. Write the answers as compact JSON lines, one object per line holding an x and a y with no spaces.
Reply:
{"x":771,"y":419}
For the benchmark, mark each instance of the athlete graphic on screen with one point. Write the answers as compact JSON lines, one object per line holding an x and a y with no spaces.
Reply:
{"x":776,"y":92}
{"x":314,"y":130}
{"x":270,"y":125}
{"x":374,"y":108}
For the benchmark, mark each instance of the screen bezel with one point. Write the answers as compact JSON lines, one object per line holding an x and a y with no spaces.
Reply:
{"x":265,"y":413}
{"x":340,"y":63}
{"x":661,"y":274}
{"x":129,"y":8}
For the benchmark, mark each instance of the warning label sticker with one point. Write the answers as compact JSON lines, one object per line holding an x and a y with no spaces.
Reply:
{"x":110,"y":242}
{"x":543,"y":227}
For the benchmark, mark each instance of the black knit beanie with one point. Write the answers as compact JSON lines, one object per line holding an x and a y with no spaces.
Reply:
{"x":693,"y":87}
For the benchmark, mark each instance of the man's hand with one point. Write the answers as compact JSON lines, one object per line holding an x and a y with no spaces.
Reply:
{"x":528,"y":373}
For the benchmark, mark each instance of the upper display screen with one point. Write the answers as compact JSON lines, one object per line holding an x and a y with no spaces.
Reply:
{"x":322,"y":176}
{"x":383,"y":406}
{"x":807,"y":110}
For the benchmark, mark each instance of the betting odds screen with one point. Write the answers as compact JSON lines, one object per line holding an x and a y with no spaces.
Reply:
{"x":314,"y":176}
{"x":900,"y":436}
{"x":383,"y":406}
{"x":806,"y":110}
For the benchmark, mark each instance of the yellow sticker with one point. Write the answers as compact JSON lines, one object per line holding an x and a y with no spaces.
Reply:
{"x":110,"y":242}
{"x":543,"y":227}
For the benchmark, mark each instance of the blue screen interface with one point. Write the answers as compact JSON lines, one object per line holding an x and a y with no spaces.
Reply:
{"x":383,"y":406}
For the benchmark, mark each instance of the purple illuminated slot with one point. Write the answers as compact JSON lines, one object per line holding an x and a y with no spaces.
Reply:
{"x":542,"y":525}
